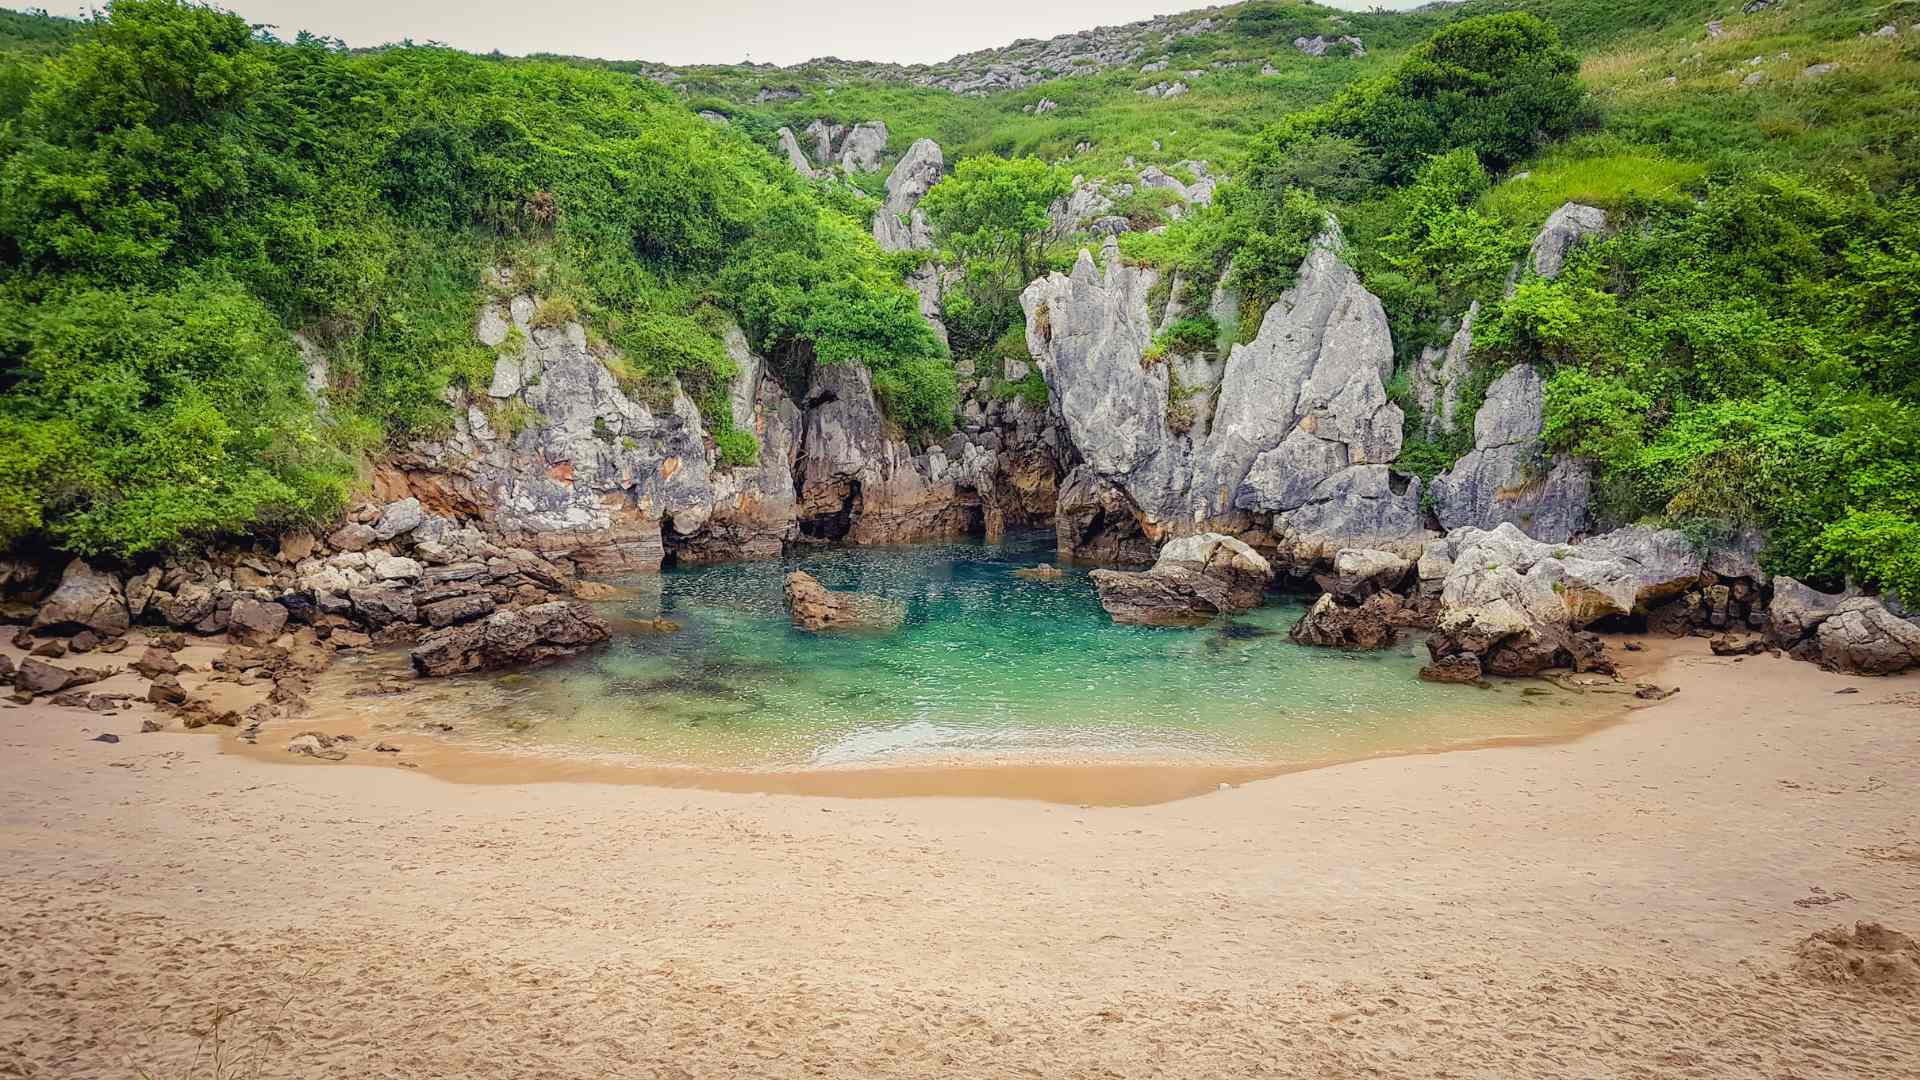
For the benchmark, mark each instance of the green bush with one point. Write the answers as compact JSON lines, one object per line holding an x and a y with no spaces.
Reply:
{"x":1499,"y":85}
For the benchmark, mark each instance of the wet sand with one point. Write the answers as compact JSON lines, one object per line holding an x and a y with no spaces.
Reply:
{"x":1625,"y":903}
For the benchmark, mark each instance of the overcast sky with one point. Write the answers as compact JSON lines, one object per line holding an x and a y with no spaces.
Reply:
{"x":704,"y":31}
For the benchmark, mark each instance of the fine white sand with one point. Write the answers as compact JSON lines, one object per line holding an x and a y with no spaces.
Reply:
{"x":1626,"y":904}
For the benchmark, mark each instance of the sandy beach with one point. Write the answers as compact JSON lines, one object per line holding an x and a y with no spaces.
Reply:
{"x":1627,"y":903}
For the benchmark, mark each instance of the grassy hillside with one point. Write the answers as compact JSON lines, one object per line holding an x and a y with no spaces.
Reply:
{"x":1742,"y":351}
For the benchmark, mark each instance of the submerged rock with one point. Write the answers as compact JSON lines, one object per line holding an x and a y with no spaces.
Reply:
{"x":1195,"y":578}
{"x":813,"y":606}
{"x":521,"y":638}
{"x":1369,"y":624}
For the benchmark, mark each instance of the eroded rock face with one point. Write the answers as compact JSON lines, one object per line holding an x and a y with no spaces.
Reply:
{"x":812,"y":606}
{"x":1564,"y":230}
{"x":526,"y":637}
{"x":1370,"y":624}
{"x":1195,"y":578}
{"x":86,"y":598}
{"x":1440,"y":374}
{"x":858,"y":483}
{"x":899,"y":225}
{"x":590,"y":473}
{"x":1798,"y":610}
{"x":1518,"y":605}
{"x":1864,"y":638}
{"x":755,"y":506}
{"x":1508,"y":475}
{"x":1302,"y":427}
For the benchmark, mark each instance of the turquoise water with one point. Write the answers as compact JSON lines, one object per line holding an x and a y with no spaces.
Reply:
{"x":988,"y":667}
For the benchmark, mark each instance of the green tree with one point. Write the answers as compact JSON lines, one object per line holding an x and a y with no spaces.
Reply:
{"x":1500,"y":85}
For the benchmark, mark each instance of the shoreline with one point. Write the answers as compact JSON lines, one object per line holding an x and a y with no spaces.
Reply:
{"x":1109,"y":783}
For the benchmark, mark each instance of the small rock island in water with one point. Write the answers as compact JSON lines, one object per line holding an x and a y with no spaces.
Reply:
{"x":1262,"y":541}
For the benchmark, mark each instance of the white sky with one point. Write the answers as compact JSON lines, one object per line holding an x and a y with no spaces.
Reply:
{"x":702,"y":31}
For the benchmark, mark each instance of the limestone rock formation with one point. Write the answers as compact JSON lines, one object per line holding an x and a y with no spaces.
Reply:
{"x":575,"y":467}
{"x":899,"y":225}
{"x":523,"y":638}
{"x":1302,"y":432}
{"x":1864,"y":638}
{"x":1440,"y":374}
{"x":1797,"y":610}
{"x":1508,"y":476}
{"x":859,"y":483}
{"x":1362,"y":572}
{"x":1370,"y":624}
{"x":86,"y":598}
{"x":1195,"y":578}
{"x":812,"y":606}
{"x":754,"y":506}
{"x":1566,"y":227}
{"x":1518,"y":605}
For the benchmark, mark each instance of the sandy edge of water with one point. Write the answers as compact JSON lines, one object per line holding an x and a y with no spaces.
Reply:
{"x":1079,"y":782}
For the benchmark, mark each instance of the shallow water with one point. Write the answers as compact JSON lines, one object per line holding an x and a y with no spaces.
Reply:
{"x":987,"y":668}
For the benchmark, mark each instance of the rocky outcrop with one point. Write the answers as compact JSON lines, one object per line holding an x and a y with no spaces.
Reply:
{"x":1440,"y":375}
{"x":899,"y":225}
{"x":522,"y":638}
{"x":1864,"y":638}
{"x":86,"y":598}
{"x":558,"y":457}
{"x":1359,"y":573}
{"x":812,"y":606}
{"x":860,"y":483}
{"x":1370,"y":624}
{"x":825,"y":148}
{"x":1841,"y":631}
{"x":755,"y":507}
{"x":1301,"y":435}
{"x":1566,"y":227}
{"x":1508,"y":475}
{"x":1518,"y":606}
{"x":1094,"y":520}
{"x":1194,"y":579}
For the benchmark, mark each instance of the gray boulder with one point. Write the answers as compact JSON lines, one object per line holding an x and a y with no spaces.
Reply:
{"x":399,"y":518}
{"x":1565,"y":228}
{"x":862,"y":147}
{"x":523,"y":638}
{"x":1518,"y":605}
{"x":1798,"y":610}
{"x":1195,"y":578}
{"x":1508,"y":476}
{"x":1361,"y":572}
{"x":797,"y":158}
{"x":86,"y":598}
{"x":1864,"y":638}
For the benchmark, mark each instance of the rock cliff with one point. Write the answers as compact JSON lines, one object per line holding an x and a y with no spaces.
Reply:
{"x":1295,"y":442}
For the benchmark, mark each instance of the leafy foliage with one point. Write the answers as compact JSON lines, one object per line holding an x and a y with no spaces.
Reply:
{"x":178,"y":192}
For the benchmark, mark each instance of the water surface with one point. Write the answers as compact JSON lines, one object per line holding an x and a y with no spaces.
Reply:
{"x":987,"y":668}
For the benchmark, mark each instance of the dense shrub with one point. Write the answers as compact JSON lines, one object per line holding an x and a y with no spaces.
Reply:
{"x":178,"y":192}
{"x":1500,"y":85}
